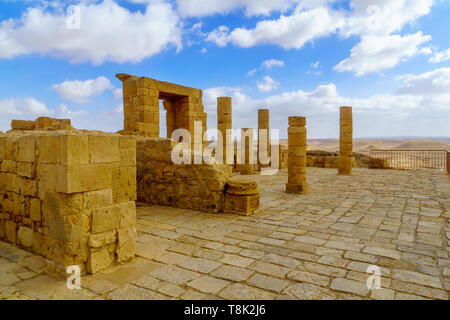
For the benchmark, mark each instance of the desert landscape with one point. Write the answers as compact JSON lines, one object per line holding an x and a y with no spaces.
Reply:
{"x":364,"y":146}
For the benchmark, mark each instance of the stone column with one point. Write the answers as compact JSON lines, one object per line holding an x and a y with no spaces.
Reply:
{"x":224,"y":123}
{"x":263,"y":124}
{"x":346,"y":141}
{"x":246,"y":168}
{"x":296,"y":155}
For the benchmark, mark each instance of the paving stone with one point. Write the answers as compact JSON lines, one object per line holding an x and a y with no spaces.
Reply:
{"x":309,"y":240}
{"x":171,"y":290}
{"x":377,"y":251}
{"x":172,"y":258}
{"x":131,"y":292}
{"x":280,"y":260}
{"x":350,"y":286}
{"x":382,"y":294}
{"x":309,"y":277}
{"x":236,"y":260}
{"x":199,"y":265}
{"x":417,"y":278}
{"x":342,"y":245}
{"x":268,"y":283}
{"x":419,"y":290}
{"x":174,"y":275}
{"x":239,"y":291}
{"x":235,"y":274}
{"x":269,"y":269}
{"x":207,"y":284}
{"x":305,"y":291}
{"x":324,"y":269}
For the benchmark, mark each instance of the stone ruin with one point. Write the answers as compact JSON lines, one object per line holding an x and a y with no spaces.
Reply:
{"x":69,"y":195}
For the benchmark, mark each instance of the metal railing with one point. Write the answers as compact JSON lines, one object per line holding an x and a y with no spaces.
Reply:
{"x":414,"y":159}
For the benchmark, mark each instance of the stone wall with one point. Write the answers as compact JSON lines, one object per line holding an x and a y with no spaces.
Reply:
{"x":191,"y":186}
{"x":42,"y":123}
{"x":69,"y":196}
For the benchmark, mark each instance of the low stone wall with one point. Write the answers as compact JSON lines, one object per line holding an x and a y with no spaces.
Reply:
{"x":378,"y":163}
{"x":42,"y":123}
{"x":191,"y":186}
{"x":69,"y":196}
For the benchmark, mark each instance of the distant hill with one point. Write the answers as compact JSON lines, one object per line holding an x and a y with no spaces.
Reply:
{"x":365,"y":145}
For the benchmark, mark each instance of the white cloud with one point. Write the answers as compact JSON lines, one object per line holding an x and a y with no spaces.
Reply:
{"x":201,"y":8}
{"x":118,"y":93}
{"x":441,"y":56}
{"x":23,"y":106}
{"x":377,"y":53}
{"x":267,"y":85}
{"x":268,"y":64}
{"x":29,"y":108}
{"x":374,"y":116}
{"x":369,"y":19}
{"x":108,"y":32}
{"x":80,"y":91}
{"x":287,"y":32}
{"x":383,"y":17}
{"x":436,"y":82}
{"x":315,"y":65}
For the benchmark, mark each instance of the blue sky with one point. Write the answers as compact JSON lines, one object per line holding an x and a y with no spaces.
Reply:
{"x":390,"y":60}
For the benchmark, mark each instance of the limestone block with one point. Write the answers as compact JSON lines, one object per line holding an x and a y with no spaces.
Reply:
{"x":48,"y":149}
{"x":2,"y":148}
{"x":9,"y":166}
{"x":25,"y":236}
{"x":10,"y":231}
{"x":26,"y":169}
{"x":55,"y":203}
{"x":73,"y":179}
{"x":124,"y":184}
{"x":97,"y":199}
{"x":98,"y":260}
{"x":127,"y":146}
{"x":106,"y":219}
{"x":297,"y":121}
{"x":35,"y":209}
{"x":103,"y":149}
{"x":22,"y":125}
{"x":242,"y":196}
{"x":74,"y":150}
{"x":11,"y":149}
{"x":126,"y":244}
{"x":69,"y":228}
{"x":9,"y":182}
{"x":28,"y":187}
{"x":102,"y":239}
{"x":2,"y":229}
{"x":27,"y":149}
{"x":47,"y":175}
{"x":127,"y":214}
{"x":378,"y":163}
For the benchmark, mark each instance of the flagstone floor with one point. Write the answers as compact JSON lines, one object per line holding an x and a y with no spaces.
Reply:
{"x":313,"y":246}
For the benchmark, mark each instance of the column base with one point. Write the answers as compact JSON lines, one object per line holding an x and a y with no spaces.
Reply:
{"x":296,"y":188}
{"x":343,"y":172}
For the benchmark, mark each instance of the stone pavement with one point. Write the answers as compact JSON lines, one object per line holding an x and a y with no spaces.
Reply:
{"x":312,"y":246}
